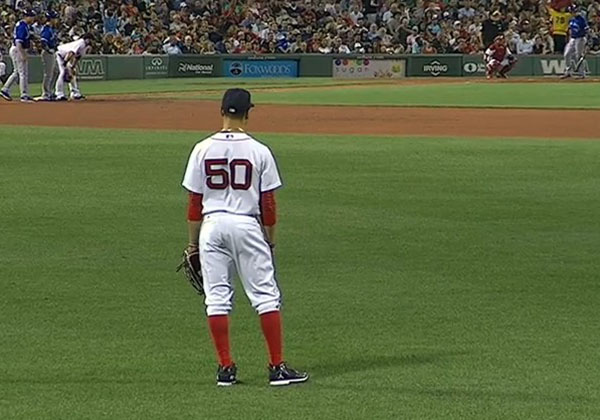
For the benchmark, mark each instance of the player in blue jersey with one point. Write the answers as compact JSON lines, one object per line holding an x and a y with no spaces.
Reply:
{"x":19,"y":56}
{"x":49,"y":42}
{"x":575,"y":49}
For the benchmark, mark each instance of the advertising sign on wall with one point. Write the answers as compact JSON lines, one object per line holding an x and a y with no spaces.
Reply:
{"x":91,"y":68}
{"x":351,"y":68}
{"x":556,"y":66}
{"x":193,"y":66}
{"x":473,"y":66}
{"x":435,"y":66}
{"x":260,"y":68}
{"x":156,"y":66}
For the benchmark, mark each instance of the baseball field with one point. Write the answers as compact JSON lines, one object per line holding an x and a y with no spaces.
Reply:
{"x":438,"y":252}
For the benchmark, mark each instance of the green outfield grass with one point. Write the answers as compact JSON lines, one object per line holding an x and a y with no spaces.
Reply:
{"x":423,"y":278}
{"x":472,"y":94}
{"x":117,"y":87}
{"x":453,"y":93}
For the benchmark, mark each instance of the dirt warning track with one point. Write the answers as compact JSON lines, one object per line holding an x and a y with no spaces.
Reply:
{"x":204,"y":116}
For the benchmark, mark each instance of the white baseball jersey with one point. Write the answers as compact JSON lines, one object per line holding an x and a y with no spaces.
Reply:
{"x":77,"y":47}
{"x":230,"y":170}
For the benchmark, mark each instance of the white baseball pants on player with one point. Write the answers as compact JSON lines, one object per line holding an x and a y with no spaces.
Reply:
{"x":20,"y":72}
{"x":48,"y":82}
{"x":574,"y":51}
{"x":230,"y":243}
{"x":60,"y":81}
{"x":2,"y":69}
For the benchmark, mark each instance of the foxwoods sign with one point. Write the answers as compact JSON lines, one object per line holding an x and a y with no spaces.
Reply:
{"x":260,"y":68}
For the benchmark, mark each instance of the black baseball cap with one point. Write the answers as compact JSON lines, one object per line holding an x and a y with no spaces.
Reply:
{"x":236,"y":102}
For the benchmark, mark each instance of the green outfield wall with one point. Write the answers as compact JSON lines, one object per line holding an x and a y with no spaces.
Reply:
{"x":97,"y":67}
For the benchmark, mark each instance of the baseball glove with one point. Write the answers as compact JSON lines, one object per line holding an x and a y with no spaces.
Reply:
{"x":190,"y":264}
{"x":68,"y":74}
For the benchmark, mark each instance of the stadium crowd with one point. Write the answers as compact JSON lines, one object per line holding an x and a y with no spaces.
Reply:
{"x":307,"y":26}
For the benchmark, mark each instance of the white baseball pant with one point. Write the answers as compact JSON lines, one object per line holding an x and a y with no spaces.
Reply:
{"x":49,"y":66}
{"x":20,"y":71}
{"x":60,"y":81}
{"x":574,"y":51}
{"x":234,"y":243}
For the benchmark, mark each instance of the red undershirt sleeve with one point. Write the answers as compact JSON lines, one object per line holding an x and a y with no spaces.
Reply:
{"x":194,"y":212}
{"x":268,"y":208}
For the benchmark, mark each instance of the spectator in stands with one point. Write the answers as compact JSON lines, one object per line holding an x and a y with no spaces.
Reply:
{"x":188,"y":46}
{"x":291,"y":26}
{"x":467,"y":11}
{"x":525,"y":45}
{"x":417,"y":45}
{"x":111,"y":22}
{"x":491,"y":28}
{"x":172,"y":45}
{"x":539,"y":47}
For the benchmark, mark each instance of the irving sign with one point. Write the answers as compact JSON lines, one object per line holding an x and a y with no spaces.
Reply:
{"x":435,"y":68}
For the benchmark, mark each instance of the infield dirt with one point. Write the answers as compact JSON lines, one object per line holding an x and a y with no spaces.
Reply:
{"x":394,"y":121}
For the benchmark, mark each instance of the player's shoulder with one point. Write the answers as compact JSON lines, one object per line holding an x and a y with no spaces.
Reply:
{"x":259,"y":145}
{"x":204,"y":143}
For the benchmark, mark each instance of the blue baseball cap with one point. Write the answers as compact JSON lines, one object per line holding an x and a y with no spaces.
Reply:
{"x":236,"y":102}
{"x":30,"y":13}
{"x":51,"y":14}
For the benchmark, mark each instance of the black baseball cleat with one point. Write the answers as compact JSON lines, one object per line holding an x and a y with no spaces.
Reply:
{"x":4,"y":94}
{"x":282,"y":375}
{"x":226,"y":376}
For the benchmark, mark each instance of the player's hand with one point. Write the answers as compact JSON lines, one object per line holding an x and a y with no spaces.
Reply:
{"x":191,"y":267}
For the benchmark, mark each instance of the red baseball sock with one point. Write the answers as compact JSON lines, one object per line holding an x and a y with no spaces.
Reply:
{"x":219,"y":329}
{"x":271,"y":327}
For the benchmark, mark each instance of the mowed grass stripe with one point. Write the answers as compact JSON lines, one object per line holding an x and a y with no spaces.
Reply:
{"x":188,"y":85}
{"x":471,"y":93}
{"x":423,"y":278}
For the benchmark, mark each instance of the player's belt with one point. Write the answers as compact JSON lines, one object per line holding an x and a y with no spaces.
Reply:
{"x":229,"y":212}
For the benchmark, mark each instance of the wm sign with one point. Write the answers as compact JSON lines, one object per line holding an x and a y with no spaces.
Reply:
{"x":552,"y":66}
{"x":91,"y":68}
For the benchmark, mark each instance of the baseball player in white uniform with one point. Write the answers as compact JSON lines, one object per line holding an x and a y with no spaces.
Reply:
{"x":231,"y":179}
{"x":67,"y":57}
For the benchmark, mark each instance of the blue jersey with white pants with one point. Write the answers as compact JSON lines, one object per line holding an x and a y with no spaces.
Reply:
{"x":48,"y":38}
{"x":18,"y":55}
{"x":578,"y":27}
{"x":575,"y":49}
{"x":49,"y":44}
{"x":22,"y":35}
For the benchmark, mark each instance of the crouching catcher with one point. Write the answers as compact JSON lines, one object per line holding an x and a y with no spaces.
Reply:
{"x":498,"y":58}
